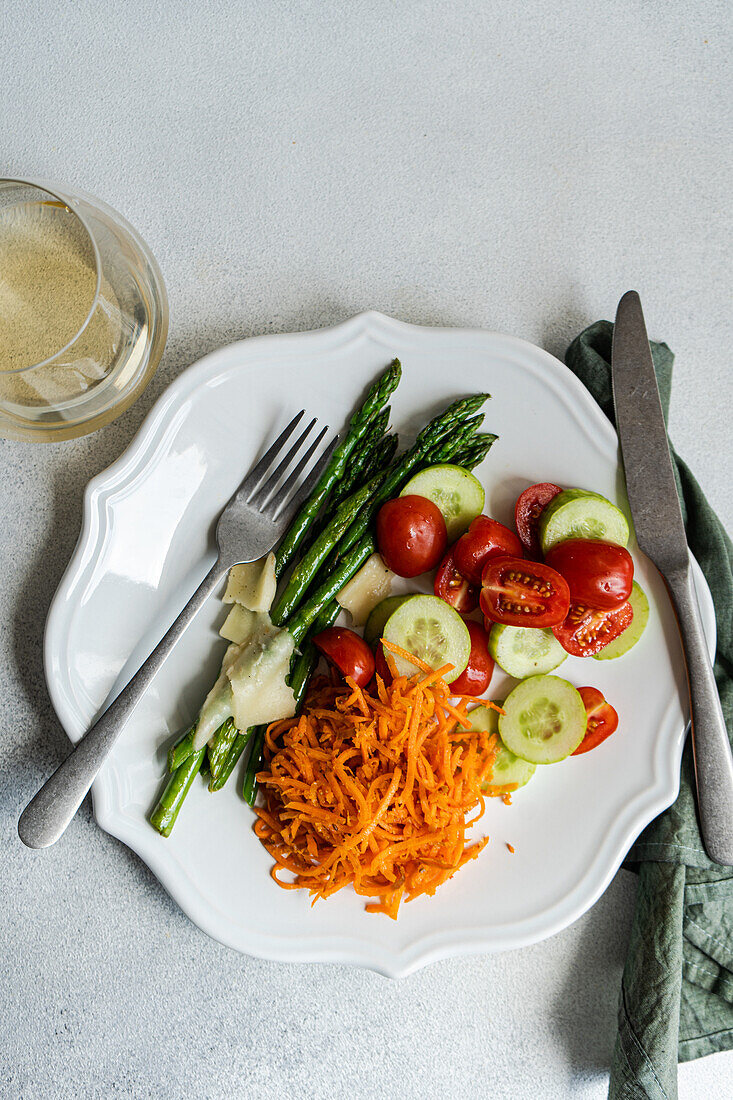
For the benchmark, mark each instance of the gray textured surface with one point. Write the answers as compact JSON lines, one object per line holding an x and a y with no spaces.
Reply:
{"x":290,"y":164}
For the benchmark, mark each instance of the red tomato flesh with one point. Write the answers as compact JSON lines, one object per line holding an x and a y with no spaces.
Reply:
{"x":602,"y":719}
{"x":411,"y":535}
{"x":599,"y":574}
{"x":523,"y":593}
{"x":476,"y":677}
{"x":484,"y":539}
{"x":527,"y":513}
{"x":587,"y":630}
{"x":452,"y":586}
{"x":348,"y":652}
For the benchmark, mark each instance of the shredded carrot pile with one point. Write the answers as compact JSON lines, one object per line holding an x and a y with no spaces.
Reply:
{"x":373,"y":790}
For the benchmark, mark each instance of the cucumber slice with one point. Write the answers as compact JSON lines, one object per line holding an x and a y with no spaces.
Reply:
{"x":624,"y":642}
{"x":544,"y":720}
{"x":525,"y":650}
{"x":459,"y":495}
{"x":374,"y":626}
{"x":509,"y":770}
{"x":432,"y":630}
{"x":579,"y":514}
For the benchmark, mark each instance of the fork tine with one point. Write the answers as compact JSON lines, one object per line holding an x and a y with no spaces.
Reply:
{"x":289,"y":509}
{"x":263,"y":494}
{"x":256,"y":474}
{"x":277,"y":500}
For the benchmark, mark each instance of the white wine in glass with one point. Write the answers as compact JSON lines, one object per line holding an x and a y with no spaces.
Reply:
{"x":83,"y":312}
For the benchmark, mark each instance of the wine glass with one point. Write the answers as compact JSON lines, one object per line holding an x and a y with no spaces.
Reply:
{"x":83,"y":312}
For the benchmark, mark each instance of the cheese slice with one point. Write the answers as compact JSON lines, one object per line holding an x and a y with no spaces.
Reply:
{"x":217,"y":704}
{"x":363,"y":592}
{"x":258,"y":679}
{"x":253,"y":584}
{"x":239,"y":625}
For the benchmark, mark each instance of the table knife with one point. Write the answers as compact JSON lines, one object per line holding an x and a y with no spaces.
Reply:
{"x":655,"y":509}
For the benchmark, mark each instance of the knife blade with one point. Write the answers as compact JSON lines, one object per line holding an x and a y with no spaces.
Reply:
{"x":650,"y":483}
{"x":660,"y":532}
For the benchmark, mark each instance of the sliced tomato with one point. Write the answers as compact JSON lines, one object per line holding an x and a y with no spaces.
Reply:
{"x":411,"y":535}
{"x":452,"y":586}
{"x":476,"y":677}
{"x":527,"y":513}
{"x":516,"y":592}
{"x":599,"y":574}
{"x":587,"y":630}
{"x":484,"y":539}
{"x":602,"y":719}
{"x":348,"y":652}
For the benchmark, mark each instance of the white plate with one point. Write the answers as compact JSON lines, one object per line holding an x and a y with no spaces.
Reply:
{"x":146,"y":540}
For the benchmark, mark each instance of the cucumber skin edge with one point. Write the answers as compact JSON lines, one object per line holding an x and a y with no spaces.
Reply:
{"x":567,"y":496}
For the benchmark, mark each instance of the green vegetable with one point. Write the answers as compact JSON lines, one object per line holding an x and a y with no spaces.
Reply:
{"x":374,"y":626}
{"x":431,"y":629}
{"x":579,"y":514}
{"x":459,"y":495}
{"x":331,"y":586}
{"x":376,"y":398}
{"x":163,"y":817}
{"x":366,"y":450}
{"x":180,"y":760}
{"x":182,"y":749}
{"x":229,"y":763}
{"x":635,"y":629}
{"x":508,"y":770}
{"x":219,"y":747}
{"x":525,"y":650}
{"x":249,"y":786}
{"x":544,"y":720}
{"x":429,"y":439}
{"x":447,"y":449}
{"x":306,"y":569}
{"x":472,"y":453}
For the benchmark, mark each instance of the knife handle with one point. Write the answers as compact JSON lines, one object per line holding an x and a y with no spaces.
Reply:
{"x":710,"y":743}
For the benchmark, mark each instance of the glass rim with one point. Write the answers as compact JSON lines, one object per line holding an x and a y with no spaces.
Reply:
{"x":64,"y":200}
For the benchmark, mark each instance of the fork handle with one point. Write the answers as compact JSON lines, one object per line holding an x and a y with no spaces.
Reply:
{"x":46,"y":816}
{"x":710,"y":743}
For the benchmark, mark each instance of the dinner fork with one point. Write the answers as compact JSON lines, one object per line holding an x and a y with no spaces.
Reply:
{"x":252,"y":522}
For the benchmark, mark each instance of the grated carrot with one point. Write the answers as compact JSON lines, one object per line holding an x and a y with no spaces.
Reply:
{"x":504,"y":792}
{"x":373,"y":790}
{"x":511,"y":848}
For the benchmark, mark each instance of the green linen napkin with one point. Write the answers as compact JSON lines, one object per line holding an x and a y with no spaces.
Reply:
{"x":676,"y":999}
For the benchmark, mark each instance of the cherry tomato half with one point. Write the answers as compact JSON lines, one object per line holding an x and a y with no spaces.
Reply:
{"x":477,"y":674}
{"x":527,"y":514}
{"x":411,"y":535}
{"x":452,"y":586}
{"x":348,"y":652}
{"x":602,"y":719}
{"x":523,"y":593}
{"x":599,"y":574}
{"x":587,"y":630}
{"x":484,"y":539}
